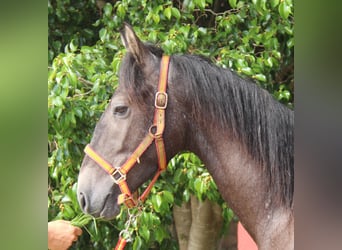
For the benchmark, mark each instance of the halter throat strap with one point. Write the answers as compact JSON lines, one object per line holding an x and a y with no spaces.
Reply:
{"x":155,"y":133}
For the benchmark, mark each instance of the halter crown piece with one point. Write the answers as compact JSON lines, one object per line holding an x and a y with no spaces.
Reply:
{"x":155,"y":133}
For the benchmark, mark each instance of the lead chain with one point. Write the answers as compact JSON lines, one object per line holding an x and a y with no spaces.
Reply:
{"x":132,"y":219}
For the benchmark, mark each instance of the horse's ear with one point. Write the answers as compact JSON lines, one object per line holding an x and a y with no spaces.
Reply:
{"x":133,"y":44}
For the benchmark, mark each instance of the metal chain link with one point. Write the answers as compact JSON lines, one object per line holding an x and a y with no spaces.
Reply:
{"x":132,"y":218}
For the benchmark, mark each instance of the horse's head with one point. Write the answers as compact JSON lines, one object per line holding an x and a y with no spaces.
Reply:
{"x":122,"y":127}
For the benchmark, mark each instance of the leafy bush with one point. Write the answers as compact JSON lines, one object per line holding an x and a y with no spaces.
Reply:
{"x":254,"y":38}
{"x":71,"y":20}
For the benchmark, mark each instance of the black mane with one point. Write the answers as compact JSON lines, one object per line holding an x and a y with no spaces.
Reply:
{"x":264,"y":125}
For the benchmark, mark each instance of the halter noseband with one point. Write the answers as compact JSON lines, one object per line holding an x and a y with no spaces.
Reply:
{"x":155,"y":133}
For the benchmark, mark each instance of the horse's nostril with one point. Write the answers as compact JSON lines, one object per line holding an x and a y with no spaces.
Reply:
{"x":82,"y":201}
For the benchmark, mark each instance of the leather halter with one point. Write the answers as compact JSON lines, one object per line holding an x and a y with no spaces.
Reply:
{"x":155,"y":133}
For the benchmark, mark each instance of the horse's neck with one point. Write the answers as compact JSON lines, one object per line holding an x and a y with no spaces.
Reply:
{"x":239,"y":181}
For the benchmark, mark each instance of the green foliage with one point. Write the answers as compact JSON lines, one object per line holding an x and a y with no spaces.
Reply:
{"x":71,"y":20}
{"x":188,"y":175}
{"x":80,"y":83}
{"x":254,"y":38}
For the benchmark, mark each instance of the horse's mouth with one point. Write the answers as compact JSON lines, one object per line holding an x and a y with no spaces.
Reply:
{"x":109,"y":210}
{"x":109,"y":213}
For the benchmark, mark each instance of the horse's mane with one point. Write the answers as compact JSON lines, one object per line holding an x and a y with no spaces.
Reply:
{"x":263,"y":125}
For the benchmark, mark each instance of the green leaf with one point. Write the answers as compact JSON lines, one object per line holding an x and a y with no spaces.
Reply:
{"x":57,"y":101}
{"x":64,"y":93}
{"x":284,"y":10}
{"x":260,"y":77}
{"x":156,"y":202}
{"x":103,"y":33}
{"x":73,"y":78}
{"x":276,"y":54}
{"x":72,"y":118}
{"x":200,"y":4}
{"x":78,"y":112}
{"x":288,"y":30}
{"x":274,"y":3}
{"x":167,"y":12}
{"x":68,"y":211}
{"x":156,"y":18}
{"x":160,"y":234}
{"x":199,"y":186}
{"x":262,"y":4}
{"x":232,"y":3}
{"x":81,"y":220}
{"x":146,"y":219}
{"x":121,"y":10}
{"x":240,"y":63}
{"x":178,"y":174}
{"x":144,"y":232}
{"x":73,"y":47}
{"x":247,"y":70}
{"x":168,"y":197}
{"x":290,"y":43}
{"x":59,"y":112}
{"x":269,"y":62}
{"x":175,"y":12}
{"x":108,"y":9}
{"x":137,"y":243}
{"x":186,"y":195}
{"x":287,"y":94}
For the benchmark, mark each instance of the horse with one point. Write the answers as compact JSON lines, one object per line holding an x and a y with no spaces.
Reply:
{"x":240,"y":132}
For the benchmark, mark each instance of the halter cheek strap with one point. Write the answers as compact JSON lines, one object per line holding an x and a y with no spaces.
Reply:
{"x":155,"y":134}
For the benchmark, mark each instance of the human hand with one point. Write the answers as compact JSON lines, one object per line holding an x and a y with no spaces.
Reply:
{"x":61,"y":234}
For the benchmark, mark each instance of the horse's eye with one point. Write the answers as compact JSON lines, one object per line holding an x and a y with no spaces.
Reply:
{"x":121,"y":111}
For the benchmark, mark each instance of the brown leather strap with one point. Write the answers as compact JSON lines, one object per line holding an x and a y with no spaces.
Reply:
{"x":121,"y":244}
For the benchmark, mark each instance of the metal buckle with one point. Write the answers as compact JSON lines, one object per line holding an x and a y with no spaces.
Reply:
{"x":130,"y":202}
{"x":126,"y":235}
{"x":122,"y":176}
{"x":160,"y":101}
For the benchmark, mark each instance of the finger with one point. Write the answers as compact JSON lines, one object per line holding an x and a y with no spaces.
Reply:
{"x":78,"y":231}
